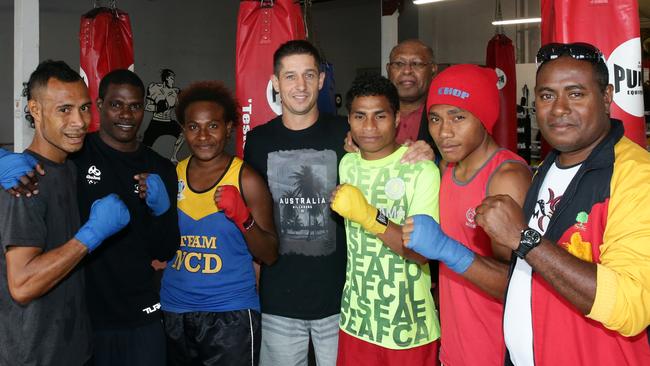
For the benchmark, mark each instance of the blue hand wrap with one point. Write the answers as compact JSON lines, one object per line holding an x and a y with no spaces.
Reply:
{"x":13,"y":166}
{"x":428,"y":240}
{"x":108,"y":215}
{"x":157,"y":198}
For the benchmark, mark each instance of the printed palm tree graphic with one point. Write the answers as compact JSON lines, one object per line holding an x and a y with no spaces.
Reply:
{"x":307,"y":184}
{"x":290,"y":216}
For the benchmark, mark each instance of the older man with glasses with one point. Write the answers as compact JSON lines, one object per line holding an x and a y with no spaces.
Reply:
{"x":580,"y":280}
{"x":411,"y":69}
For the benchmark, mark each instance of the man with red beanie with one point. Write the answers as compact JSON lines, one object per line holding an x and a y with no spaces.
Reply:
{"x":463,"y":105}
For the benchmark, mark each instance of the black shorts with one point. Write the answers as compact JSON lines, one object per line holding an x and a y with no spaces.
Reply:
{"x":228,"y":338}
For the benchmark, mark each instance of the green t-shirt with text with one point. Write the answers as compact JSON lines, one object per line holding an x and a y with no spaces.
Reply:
{"x":387,"y":299}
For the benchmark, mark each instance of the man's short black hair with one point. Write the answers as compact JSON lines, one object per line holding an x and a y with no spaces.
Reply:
{"x":118,"y":77}
{"x":371,"y":84}
{"x":295,"y":47}
{"x":50,"y":69}
{"x":601,"y":73}
{"x":208,"y":91}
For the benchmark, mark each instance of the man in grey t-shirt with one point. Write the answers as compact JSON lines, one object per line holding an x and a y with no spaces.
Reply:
{"x":42,"y":307}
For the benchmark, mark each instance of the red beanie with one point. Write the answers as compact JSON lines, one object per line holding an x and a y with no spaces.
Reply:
{"x":470,"y":87}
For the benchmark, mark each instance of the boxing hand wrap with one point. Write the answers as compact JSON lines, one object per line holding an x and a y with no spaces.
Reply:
{"x":428,"y":240}
{"x":157,"y":198}
{"x":233,"y":206}
{"x":350,"y":203}
{"x":13,"y":166}
{"x":108,"y":215}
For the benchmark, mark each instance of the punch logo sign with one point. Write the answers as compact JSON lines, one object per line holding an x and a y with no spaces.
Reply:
{"x":502,"y":79}
{"x":624,"y":66}
{"x":273,"y":98}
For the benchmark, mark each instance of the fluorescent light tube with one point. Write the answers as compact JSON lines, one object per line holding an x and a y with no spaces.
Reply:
{"x":517,"y":21}
{"x":420,"y":2}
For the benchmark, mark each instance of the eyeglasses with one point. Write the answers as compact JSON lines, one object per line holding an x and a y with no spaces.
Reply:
{"x":414,"y":65}
{"x":578,"y":51}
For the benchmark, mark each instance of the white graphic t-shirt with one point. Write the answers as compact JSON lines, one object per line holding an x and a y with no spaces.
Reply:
{"x":517,"y":320}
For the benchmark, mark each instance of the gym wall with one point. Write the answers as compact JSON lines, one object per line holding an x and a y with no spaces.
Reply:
{"x":196,"y":39}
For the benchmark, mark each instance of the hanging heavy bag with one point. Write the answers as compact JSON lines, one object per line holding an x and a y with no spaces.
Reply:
{"x":501,"y":57}
{"x":262,"y":26}
{"x":106,"y":44}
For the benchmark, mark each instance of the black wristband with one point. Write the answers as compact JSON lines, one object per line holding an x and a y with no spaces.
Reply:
{"x":248,"y":224}
{"x":381,"y":218}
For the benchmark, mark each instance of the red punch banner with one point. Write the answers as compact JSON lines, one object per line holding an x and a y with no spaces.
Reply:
{"x":106,"y":43}
{"x":501,"y":57}
{"x":613,"y":27}
{"x":262,"y":26}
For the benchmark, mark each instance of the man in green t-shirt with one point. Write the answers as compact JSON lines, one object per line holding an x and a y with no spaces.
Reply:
{"x":387,"y":312}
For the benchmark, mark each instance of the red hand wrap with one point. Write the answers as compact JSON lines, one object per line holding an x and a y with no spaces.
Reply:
{"x":233,"y":206}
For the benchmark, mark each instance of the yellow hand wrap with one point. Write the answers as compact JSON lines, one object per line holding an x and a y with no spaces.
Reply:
{"x":350,"y":203}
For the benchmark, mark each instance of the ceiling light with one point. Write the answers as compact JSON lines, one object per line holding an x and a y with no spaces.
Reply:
{"x":517,"y":21}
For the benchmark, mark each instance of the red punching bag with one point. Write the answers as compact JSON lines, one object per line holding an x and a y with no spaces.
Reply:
{"x":613,"y":27}
{"x":501,"y":57}
{"x":106,"y":43}
{"x":262,"y":26}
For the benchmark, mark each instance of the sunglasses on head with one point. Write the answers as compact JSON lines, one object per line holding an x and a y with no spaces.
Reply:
{"x":578,"y":51}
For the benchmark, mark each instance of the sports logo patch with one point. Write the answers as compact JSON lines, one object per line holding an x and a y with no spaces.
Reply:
{"x":581,"y":219}
{"x":469,"y":217}
{"x":395,"y":188}
{"x":94,"y":175}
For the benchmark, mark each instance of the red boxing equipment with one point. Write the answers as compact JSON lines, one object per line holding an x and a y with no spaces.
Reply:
{"x":262,"y":26}
{"x":613,"y":27}
{"x":501,"y":57}
{"x":233,"y":206}
{"x":106,"y":44}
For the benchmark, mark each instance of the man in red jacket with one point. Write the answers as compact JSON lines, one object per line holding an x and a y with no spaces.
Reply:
{"x":578,"y":291}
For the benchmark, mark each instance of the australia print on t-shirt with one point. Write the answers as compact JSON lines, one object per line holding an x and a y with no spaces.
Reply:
{"x":301,"y":182}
